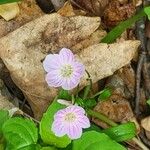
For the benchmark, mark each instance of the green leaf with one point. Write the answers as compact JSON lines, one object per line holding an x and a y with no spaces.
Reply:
{"x":148,"y":102}
{"x":122,"y":132}
{"x":93,"y":140}
{"x":105,"y":94}
{"x":8,"y":1}
{"x":47,"y":135}
{"x":89,"y":103}
{"x":118,"y":30}
{"x":48,"y":148}
{"x":64,"y":94}
{"x":4,"y":116}
{"x":20,"y":134}
{"x":147,"y":11}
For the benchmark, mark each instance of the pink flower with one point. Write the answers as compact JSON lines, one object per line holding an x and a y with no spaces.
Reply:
{"x":70,"y":121}
{"x":63,"y":70}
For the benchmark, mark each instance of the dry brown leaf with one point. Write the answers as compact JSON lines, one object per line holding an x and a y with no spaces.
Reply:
{"x":93,"y":6}
{"x":66,"y":10}
{"x":29,"y":49}
{"x":28,"y":11}
{"x":117,"y":107}
{"x":9,"y":11}
{"x":145,"y":123}
{"x":117,"y":12}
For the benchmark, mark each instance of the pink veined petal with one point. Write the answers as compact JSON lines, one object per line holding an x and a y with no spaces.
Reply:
{"x":74,"y":131}
{"x":83,"y":121}
{"x":79,"y":69}
{"x":69,"y":84}
{"x":66,"y":56}
{"x":53,"y":79}
{"x":58,"y":129}
{"x":76,"y":109}
{"x":60,"y":114}
{"x":51,"y":62}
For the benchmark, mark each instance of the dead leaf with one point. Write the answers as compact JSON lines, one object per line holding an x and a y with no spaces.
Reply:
{"x":145,"y":123}
{"x":29,"y":49}
{"x":28,"y":11}
{"x":117,"y":12}
{"x":66,"y":10}
{"x":93,"y":6}
{"x":9,"y":11}
{"x":117,"y":107}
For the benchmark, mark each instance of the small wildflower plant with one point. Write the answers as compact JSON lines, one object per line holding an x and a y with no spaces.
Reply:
{"x":66,"y":123}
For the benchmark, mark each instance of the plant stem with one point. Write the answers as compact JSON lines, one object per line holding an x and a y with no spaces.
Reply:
{"x":101,"y":117}
{"x":112,"y":123}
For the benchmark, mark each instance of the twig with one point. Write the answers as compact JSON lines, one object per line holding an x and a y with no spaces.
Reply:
{"x":140,"y":33}
{"x":144,"y":139}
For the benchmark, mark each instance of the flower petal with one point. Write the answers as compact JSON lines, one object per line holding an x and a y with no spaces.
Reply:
{"x":69,"y":84}
{"x":58,"y":129}
{"x":51,"y":62}
{"x":53,"y":79}
{"x":79,"y":69}
{"x":76,"y":109}
{"x":74,"y":132}
{"x":66,"y":56}
{"x":83,"y":121}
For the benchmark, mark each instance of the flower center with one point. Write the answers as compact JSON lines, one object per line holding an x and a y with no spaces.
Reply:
{"x":70,"y":117}
{"x":66,"y":70}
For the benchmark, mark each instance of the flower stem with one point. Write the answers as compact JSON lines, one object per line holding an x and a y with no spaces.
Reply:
{"x":101,"y":117}
{"x":112,"y":123}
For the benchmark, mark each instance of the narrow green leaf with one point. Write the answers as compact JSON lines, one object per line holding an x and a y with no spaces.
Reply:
{"x":104,"y":95}
{"x":4,"y":116}
{"x":118,"y":30}
{"x":147,"y":11}
{"x":8,"y":1}
{"x":122,"y":132}
{"x":47,"y":135}
{"x":89,"y":103}
{"x":20,"y":133}
{"x":48,"y":148}
{"x":148,"y":102}
{"x":93,"y":140}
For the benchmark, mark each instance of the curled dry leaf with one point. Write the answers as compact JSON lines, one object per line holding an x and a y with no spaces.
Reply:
{"x":34,"y":40}
{"x":93,"y":6}
{"x":9,"y":11}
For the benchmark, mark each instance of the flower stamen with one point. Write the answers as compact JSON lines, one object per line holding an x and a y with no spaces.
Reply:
{"x":66,"y":71}
{"x":70,"y":117}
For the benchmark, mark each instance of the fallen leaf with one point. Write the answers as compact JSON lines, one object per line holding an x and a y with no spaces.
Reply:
{"x":28,"y":11}
{"x":66,"y":10}
{"x":145,"y":123}
{"x":117,"y":12}
{"x":34,"y":40}
{"x":9,"y":11}
{"x":95,"y":7}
